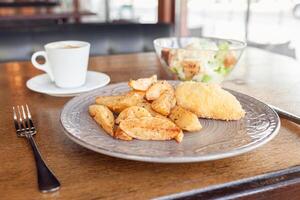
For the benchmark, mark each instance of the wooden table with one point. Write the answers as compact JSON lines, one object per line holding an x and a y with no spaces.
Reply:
{"x":88,"y":175}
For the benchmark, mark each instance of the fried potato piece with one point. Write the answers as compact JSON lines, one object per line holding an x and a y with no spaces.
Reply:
{"x":141,"y":94}
{"x":109,"y":101}
{"x":147,"y":106}
{"x":120,"y":134}
{"x":157,"y":89}
{"x":132,"y":112}
{"x":179,"y":137}
{"x":208,"y":101}
{"x":150,"y":128}
{"x":104,"y":117}
{"x":165,"y":102}
{"x":185,"y":119}
{"x":119,"y":103}
{"x":142,"y":84}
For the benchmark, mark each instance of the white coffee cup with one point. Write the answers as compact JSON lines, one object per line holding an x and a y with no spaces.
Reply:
{"x":66,"y":62}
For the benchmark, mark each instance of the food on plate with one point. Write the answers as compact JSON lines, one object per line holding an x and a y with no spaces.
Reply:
{"x":179,"y":137}
{"x":164,"y":103}
{"x":161,"y":112}
{"x":148,"y":107}
{"x":150,"y":128}
{"x":119,"y":103}
{"x":132,"y":112}
{"x":120,"y":134}
{"x":104,"y":117}
{"x":109,"y":101}
{"x":142,"y":84}
{"x":208,"y":101}
{"x":185,"y":119}
{"x":139,"y":94}
{"x":156,"y":89}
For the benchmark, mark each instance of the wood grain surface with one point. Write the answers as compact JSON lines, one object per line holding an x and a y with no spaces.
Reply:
{"x":88,"y":175}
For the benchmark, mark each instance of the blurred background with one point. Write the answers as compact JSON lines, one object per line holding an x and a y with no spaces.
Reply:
{"x":127,"y":26}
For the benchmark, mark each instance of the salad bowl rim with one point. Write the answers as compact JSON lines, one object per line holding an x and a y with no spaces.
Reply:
{"x":241,"y":44}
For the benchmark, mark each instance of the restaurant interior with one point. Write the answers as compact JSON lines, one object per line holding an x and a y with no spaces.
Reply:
{"x":71,"y":70}
{"x":28,"y":24}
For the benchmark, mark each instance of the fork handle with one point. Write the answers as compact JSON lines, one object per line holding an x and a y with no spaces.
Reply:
{"x":46,"y":179}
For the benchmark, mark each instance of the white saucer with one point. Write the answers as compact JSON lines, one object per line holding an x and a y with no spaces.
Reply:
{"x":43,"y":84}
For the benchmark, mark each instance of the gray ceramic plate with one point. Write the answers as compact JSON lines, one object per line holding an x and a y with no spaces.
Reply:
{"x":217,"y":139}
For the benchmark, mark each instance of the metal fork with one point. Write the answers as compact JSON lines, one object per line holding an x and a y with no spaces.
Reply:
{"x":24,"y":128}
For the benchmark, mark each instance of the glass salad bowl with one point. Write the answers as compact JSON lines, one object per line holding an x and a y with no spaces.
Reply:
{"x":198,"y":59}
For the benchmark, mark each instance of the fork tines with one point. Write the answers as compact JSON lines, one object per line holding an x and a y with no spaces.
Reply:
{"x":22,"y":120}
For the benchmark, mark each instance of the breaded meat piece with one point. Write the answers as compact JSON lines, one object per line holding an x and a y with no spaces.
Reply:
{"x":208,"y":101}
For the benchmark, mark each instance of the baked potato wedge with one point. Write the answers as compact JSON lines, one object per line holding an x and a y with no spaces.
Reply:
{"x":132,"y":112}
{"x":185,"y":119}
{"x":142,"y":84}
{"x":119,"y":103}
{"x":104,"y":117}
{"x":157,"y":89}
{"x":147,"y":106}
{"x":150,"y":128}
{"x":109,"y":101}
{"x":140,"y":94}
{"x":164,"y":103}
{"x":179,"y":137}
{"x":120,"y":134}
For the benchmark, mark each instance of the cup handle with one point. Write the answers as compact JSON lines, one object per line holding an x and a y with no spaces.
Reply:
{"x":44,"y":67}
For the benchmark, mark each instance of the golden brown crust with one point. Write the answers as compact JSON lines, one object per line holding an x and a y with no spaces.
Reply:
{"x":120,"y":134}
{"x":179,"y":137}
{"x":150,"y":128}
{"x":185,"y":119}
{"x":208,"y":101}
{"x":164,"y":103}
{"x":148,"y":107}
{"x":157,"y":89}
{"x":119,"y":103}
{"x":132,"y":112}
{"x":104,"y":117}
{"x":142,"y":84}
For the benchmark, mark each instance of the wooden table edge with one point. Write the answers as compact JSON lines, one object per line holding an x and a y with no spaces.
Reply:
{"x":244,"y":187}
